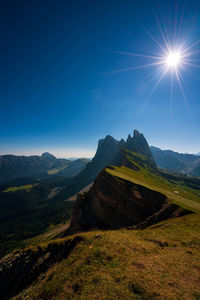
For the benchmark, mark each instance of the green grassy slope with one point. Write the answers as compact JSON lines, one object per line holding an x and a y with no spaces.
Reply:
{"x":176,"y":188}
{"x":161,"y":262}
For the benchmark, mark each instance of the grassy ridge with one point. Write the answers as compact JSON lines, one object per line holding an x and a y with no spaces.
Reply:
{"x":183,"y":191}
{"x":162,"y":262}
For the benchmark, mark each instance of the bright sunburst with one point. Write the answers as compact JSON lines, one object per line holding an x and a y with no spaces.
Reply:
{"x":172,"y":57}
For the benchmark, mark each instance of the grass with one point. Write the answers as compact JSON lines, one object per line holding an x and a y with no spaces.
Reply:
{"x":161,"y":262}
{"x":56,"y":170}
{"x":26,"y":188}
{"x":187,"y":197}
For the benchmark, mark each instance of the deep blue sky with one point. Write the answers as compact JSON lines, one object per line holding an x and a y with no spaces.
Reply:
{"x":57,"y":89}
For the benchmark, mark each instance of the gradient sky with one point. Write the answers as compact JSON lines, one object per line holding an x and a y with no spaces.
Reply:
{"x":59,"y":91}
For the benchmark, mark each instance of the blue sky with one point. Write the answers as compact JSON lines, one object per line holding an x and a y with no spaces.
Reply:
{"x":59,"y":91}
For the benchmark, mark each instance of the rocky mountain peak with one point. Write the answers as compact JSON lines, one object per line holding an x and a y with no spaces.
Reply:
{"x":107,"y":150}
{"x":138,"y":144}
{"x":129,"y":138}
{"x":136,"y":133}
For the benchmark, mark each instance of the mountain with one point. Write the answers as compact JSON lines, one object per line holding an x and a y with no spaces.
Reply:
{"x":43,"y":200}
{"x":109,"y":256}
{"x":12,"y":166}
{"x":118,"y":199}
{"x":185,"y":163}
{"x":109,"y":152}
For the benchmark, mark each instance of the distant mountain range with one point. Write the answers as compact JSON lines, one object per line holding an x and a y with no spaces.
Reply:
{"x":83,"y":171}
{"x":46,"y":165}
{"x":170,"y":160}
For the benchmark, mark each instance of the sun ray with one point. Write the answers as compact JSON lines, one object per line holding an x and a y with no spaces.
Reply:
{"x":152,"y":76}
{"x":180,"y":82}
{"x":191,"y":46}
{"x":137,"y":54}
{"x":155,"y":75}
{"x":155,"y":41}
{"x":133,"y":68}
{"x":191,"y":64}
{"x":153,"y":91}
{"x":162,"y":33}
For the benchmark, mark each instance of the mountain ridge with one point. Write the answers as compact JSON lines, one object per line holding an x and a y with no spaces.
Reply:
{"x":14,"y":166}
{"x":182,"y":162}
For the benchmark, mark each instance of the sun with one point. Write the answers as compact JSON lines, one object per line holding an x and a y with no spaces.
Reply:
{"x":173,"y":59}
{"x":174,"y":54}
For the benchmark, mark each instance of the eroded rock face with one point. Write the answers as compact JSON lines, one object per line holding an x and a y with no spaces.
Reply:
{"x":112,"y":203}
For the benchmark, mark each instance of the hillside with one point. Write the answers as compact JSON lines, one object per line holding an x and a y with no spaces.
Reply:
{"x":28,"y":208}
{"x":170,"y":160}
{"x":161,"y":262}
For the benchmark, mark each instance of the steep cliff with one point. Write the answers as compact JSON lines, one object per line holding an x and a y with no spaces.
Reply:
{"x":113,"y":203}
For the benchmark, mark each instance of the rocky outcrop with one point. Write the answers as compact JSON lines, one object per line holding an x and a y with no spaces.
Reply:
{"x":113,"y":203}
{"x":20,"y":268}
{"x":169,"y":210}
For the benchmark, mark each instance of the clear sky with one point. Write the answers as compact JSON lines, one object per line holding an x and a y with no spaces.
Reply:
{"x":61,"y":82}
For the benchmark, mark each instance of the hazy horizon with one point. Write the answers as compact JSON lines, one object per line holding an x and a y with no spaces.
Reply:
{"x":67,"y":152}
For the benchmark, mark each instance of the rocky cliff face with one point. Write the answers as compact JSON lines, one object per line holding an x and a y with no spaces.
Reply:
{"x":112,"y":203}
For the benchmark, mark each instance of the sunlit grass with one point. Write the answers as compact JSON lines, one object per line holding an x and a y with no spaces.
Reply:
{"x":186,"y":197}
{"x":26,"y":188}
{"x":161,"y":262}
